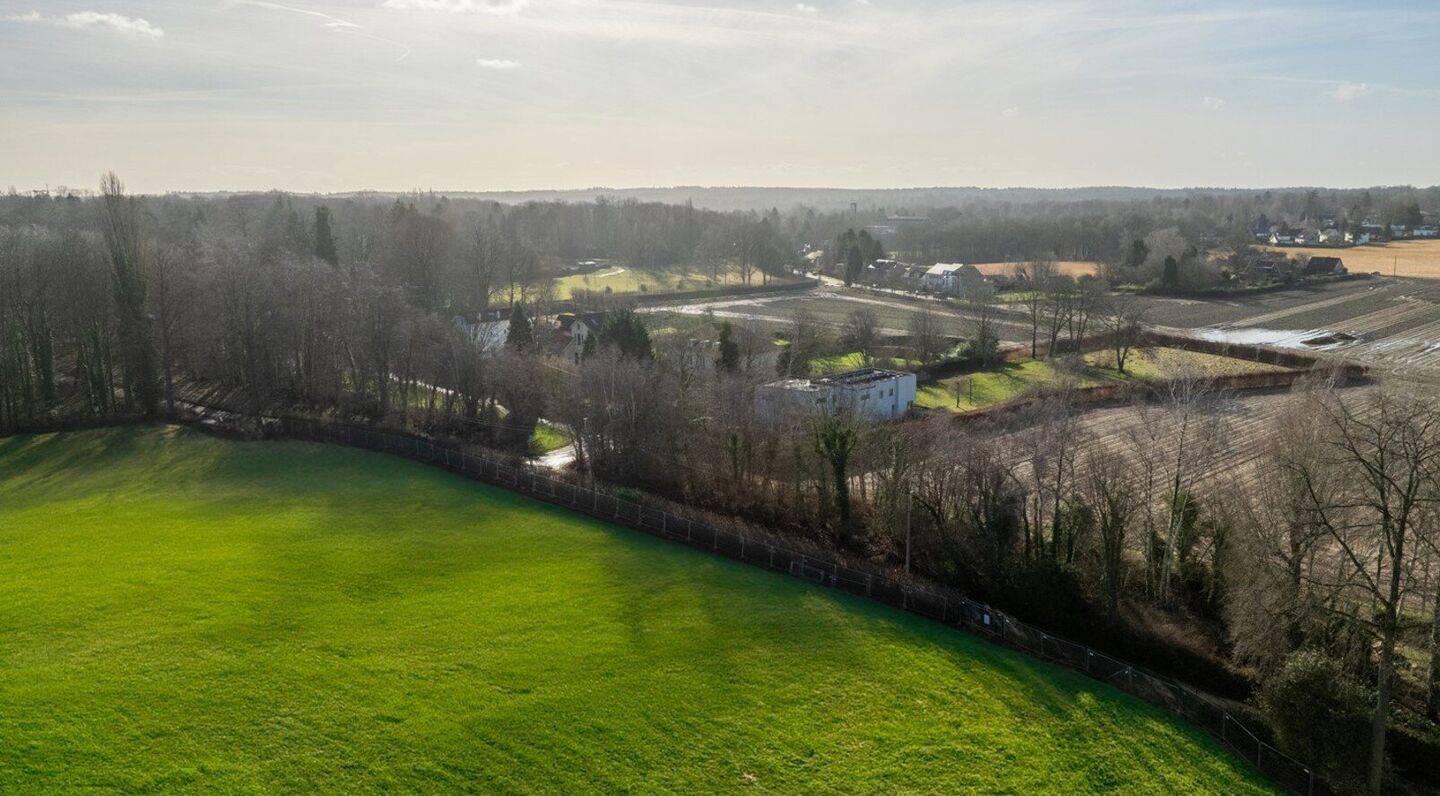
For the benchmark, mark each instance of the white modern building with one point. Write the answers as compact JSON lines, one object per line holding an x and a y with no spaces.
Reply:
{"x":872,"y":393}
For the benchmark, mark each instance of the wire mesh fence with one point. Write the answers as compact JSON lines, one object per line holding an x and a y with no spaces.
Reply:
{"x":949,"y":607}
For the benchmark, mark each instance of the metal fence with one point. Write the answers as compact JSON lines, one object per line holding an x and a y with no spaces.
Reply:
{"x":942,"y":605}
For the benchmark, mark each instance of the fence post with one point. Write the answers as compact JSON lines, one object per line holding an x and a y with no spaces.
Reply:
{"x":868,"y":579}
{"x":665,"y":522}
{"x":689,"y":527}
{"x":716,"y":535}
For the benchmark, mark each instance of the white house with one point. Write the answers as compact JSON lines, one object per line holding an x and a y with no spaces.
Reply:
{"x":572,"y":329}
{"x":1425,"y":232}
{"x":1331,"y":237}
{"x":1359,"y":240}
{"x":956,"y":279}
{"x":872,"y":393}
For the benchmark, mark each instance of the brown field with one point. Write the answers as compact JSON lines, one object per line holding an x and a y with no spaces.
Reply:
{"x":1067,"y":267}
{"x":1416,"y":258}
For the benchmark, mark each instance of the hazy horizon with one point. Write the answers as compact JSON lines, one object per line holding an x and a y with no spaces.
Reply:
{"x":553,"y":95}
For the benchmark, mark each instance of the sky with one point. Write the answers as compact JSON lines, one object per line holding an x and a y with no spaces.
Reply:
{"x":451,"y":95}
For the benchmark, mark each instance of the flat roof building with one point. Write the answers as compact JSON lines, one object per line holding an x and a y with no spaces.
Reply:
{"x":872,"y":393}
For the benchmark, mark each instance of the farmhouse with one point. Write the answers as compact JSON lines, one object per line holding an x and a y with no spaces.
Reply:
{"x":872,"y":393}
{"x":956,"y":279}
{"x":1425,"y":232}
{"x":1324,"y":266}
{"x":1265,"y":268}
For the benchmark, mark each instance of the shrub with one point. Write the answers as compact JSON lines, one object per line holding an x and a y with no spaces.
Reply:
{"x":1320,"y":716}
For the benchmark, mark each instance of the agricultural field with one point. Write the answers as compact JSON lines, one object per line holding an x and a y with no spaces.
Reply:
{"x":1074,"y":268}
{"x":182,"y":613}
{"x":1390,"y":324}
{"x":831,"y":306}
{"x":1013,"y":379}
{"x":1412,"y":258}
{"x":619,"y":279}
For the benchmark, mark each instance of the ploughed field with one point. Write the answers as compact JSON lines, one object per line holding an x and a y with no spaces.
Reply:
{"x":1392,"y":324}
{"x":184,"y":614}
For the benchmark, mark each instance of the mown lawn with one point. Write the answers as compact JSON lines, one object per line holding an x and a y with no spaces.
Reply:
{"x":1011,"y":380}
{"x":183,"y":614}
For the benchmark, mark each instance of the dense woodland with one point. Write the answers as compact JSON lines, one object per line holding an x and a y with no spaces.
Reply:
{"x":1309,"y":589}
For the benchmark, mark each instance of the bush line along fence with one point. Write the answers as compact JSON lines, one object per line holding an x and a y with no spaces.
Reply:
{"x":946,"y":606}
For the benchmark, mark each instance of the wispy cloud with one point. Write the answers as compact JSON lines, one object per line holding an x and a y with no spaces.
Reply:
{"x":1010,"y":112}
{"x":332,"y":22}
{"x":1348,"y":91}
{"x":1213,"y":103}
{"x":83,"y":20}
{"x":497,"y":63}
{"x":499,"y":8}
{"x":806,"y":8}
{"x":329,"y":20}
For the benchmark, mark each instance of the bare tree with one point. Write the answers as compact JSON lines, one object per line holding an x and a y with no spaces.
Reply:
{"x":1040,"y":274}
{"x":1111,"y":491}
{"x":121,"y":224}
{"x":1123,"y":322}
{"x":927,"y":338}
{"x":862,"y":333}
{"x":1383,"y":455}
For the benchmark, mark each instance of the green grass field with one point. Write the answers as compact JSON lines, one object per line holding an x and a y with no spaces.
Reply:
{"x":620,"y":279}
{"x":1013,"y":379}
{"x":184,"y":614}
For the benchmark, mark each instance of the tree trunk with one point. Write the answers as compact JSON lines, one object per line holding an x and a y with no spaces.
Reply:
{"x":1432,"y":697}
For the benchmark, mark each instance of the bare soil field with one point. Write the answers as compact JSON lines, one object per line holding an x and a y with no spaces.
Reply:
{"x":1390,"y":324}
{"x":1413,"y":258}
{"x":831,"y":306}
{"x":1234,"y":442}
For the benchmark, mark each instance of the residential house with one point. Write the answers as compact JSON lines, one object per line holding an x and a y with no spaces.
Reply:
{"x":1265,"y":268}
{"x":572,"y":329}
{"x":1425,"y":232}
{"x":1331,"y":236}
{"x":1324,"y":266}
{"x":871,"y":393}
{"x":957,"y":279}
{"x":1358,"y":239}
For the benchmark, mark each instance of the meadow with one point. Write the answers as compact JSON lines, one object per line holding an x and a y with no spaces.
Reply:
{"x":1011,"y":380}
{"x":184,"y":614}
{"x":620,"y":279}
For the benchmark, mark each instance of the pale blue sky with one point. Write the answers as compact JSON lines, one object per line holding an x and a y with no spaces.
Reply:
{"x":512,"y":94}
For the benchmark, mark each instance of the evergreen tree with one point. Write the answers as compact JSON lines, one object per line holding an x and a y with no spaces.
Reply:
{"x":729,"y":360}
{"x":521,"y":334}
{"x":325,"y":237}
{"x":1170,"y":275}
{"x":624,"y":330}
{"x":854,"y":265}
